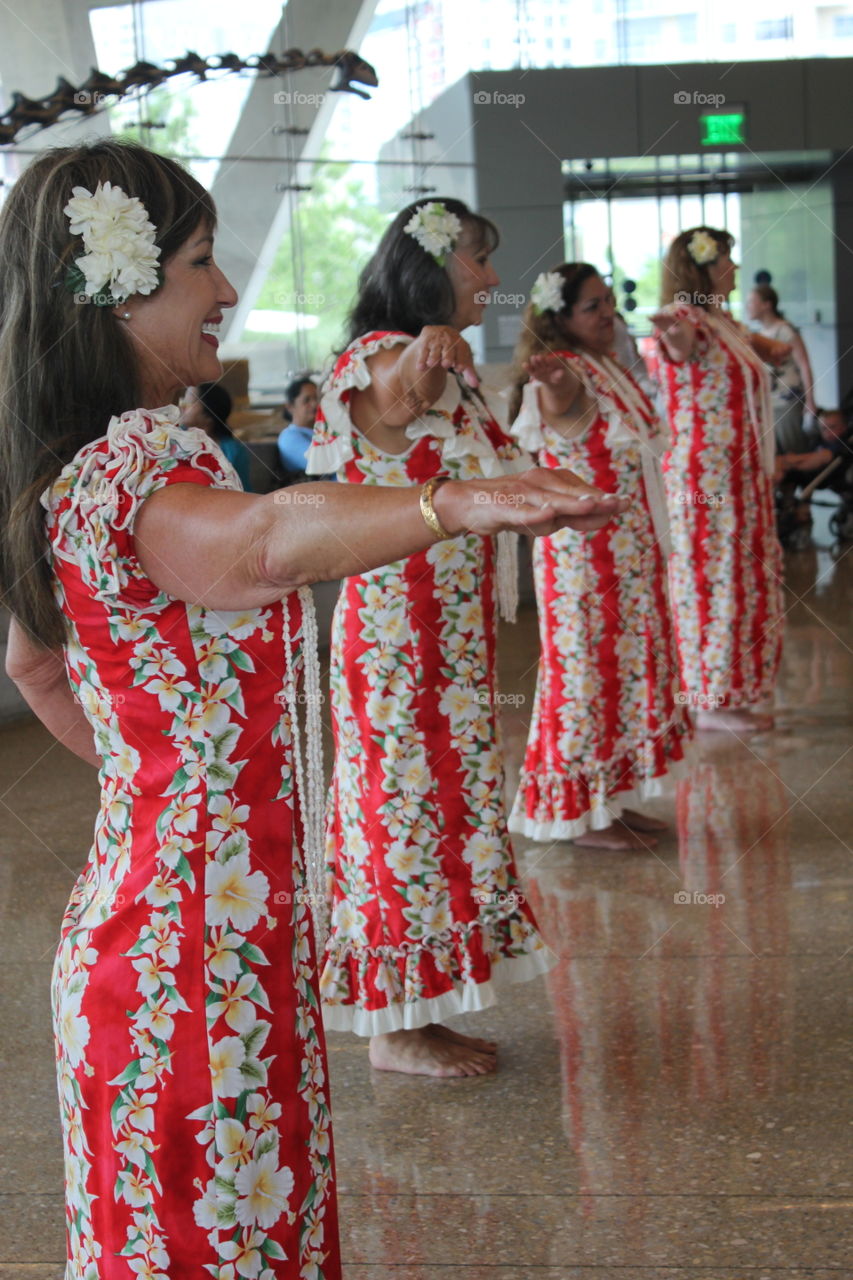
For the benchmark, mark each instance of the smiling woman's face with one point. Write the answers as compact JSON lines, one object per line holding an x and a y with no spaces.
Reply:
{"x":472,"y":276}
{"x":174,"y":328}
{"x":590,"y":322}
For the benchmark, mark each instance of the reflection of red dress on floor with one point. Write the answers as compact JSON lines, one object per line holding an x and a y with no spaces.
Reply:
{"x":190,"y":1055}
{"x":606,"y":728}
{"x":426,"y":918}
{"x":662,"y":1008}
{"x":726,"y":567}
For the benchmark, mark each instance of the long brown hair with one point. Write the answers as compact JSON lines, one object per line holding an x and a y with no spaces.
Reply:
{"x":546,"y":331}
{"x":685,"y":280}
{"x":402,"y":286}
{"x":65,"y":367}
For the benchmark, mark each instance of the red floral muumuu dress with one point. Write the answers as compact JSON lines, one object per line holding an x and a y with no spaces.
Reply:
{"x":607,"y":724}
{"x":191,"y":1062}
{"x":428,"y":917}
{"x":726,"y":567}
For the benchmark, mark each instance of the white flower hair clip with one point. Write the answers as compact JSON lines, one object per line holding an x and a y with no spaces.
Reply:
{"x":547,"y":292}
{"x":435,"y":229}
{"x":703,"y":248}
{"x":121,"y":256}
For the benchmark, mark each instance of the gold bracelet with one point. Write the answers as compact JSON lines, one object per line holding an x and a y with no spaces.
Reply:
{"x":427,"y":509}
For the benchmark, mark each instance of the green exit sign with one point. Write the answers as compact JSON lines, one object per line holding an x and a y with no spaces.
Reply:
{"x":723,"y":128}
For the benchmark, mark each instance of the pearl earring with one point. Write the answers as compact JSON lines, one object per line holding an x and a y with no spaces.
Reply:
{"x":125,"y":315}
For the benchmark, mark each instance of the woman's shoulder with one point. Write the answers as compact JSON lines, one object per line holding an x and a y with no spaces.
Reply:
{"x":367,"y":345}
{"x":783,"y":331}
{"x":140,"y":449}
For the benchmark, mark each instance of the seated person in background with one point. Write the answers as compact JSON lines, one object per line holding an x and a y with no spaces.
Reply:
{"x":300,"y":402}
{"x":208,"y":407}
{"x":835,"y":442}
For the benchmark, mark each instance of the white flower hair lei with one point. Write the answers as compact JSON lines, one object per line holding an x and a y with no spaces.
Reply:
{"x":703,"y":248}
{"x":547,"y":292}
{"x":435,"y":229}
{"x":121,"y":256}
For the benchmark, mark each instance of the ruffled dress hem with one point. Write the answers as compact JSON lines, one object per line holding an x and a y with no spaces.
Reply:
{"x":602,"y":812}
{"x":466,"y":997}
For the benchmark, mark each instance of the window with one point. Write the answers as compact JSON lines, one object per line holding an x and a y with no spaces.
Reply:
{"x":842,"y":26}
{"x":641,"y":36}
{"x":775,"y":29}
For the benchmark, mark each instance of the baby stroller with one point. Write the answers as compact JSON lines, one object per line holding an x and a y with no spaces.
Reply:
{"x":794,"y":502}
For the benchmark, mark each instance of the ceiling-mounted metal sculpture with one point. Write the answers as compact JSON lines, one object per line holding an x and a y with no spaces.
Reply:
{"x":88,"y":97}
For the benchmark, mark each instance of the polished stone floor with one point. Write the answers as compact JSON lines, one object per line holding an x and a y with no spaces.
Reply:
{"x":673,"y":1101}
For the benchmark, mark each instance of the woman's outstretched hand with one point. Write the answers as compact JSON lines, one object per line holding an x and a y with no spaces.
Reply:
{"x":539,"y":501}
{"x":676,"y":333}
{"x":444,"y":348}
{"x":548,"y":368}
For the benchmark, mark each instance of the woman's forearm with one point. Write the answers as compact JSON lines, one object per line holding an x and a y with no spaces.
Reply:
{"x":344,"y":529}
{"x":677,"y":341}
{"x":227,"y":550}
{"x":769,"y":350}
{"x":416,"y":388}
{"x":41,"y":679}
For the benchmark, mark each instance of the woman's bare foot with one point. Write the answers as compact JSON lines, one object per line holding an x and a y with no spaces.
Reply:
{"x":734,"y":719}
{"x":471,"y":1042}
{"x":641,"y":821}
{"x":617,"y":836}
{"x":420,"y":1053}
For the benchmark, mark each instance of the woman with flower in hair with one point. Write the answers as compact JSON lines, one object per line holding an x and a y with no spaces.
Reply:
{"x":726,"y":568}
{"x":606,"y":726}
{"x":161,"y":623}
{"x":427,"y":914}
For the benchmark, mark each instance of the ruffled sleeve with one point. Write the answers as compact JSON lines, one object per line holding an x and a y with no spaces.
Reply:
{"x":527,"y":428}
{"x":92,"y":505}
{"x":331,"y":446}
